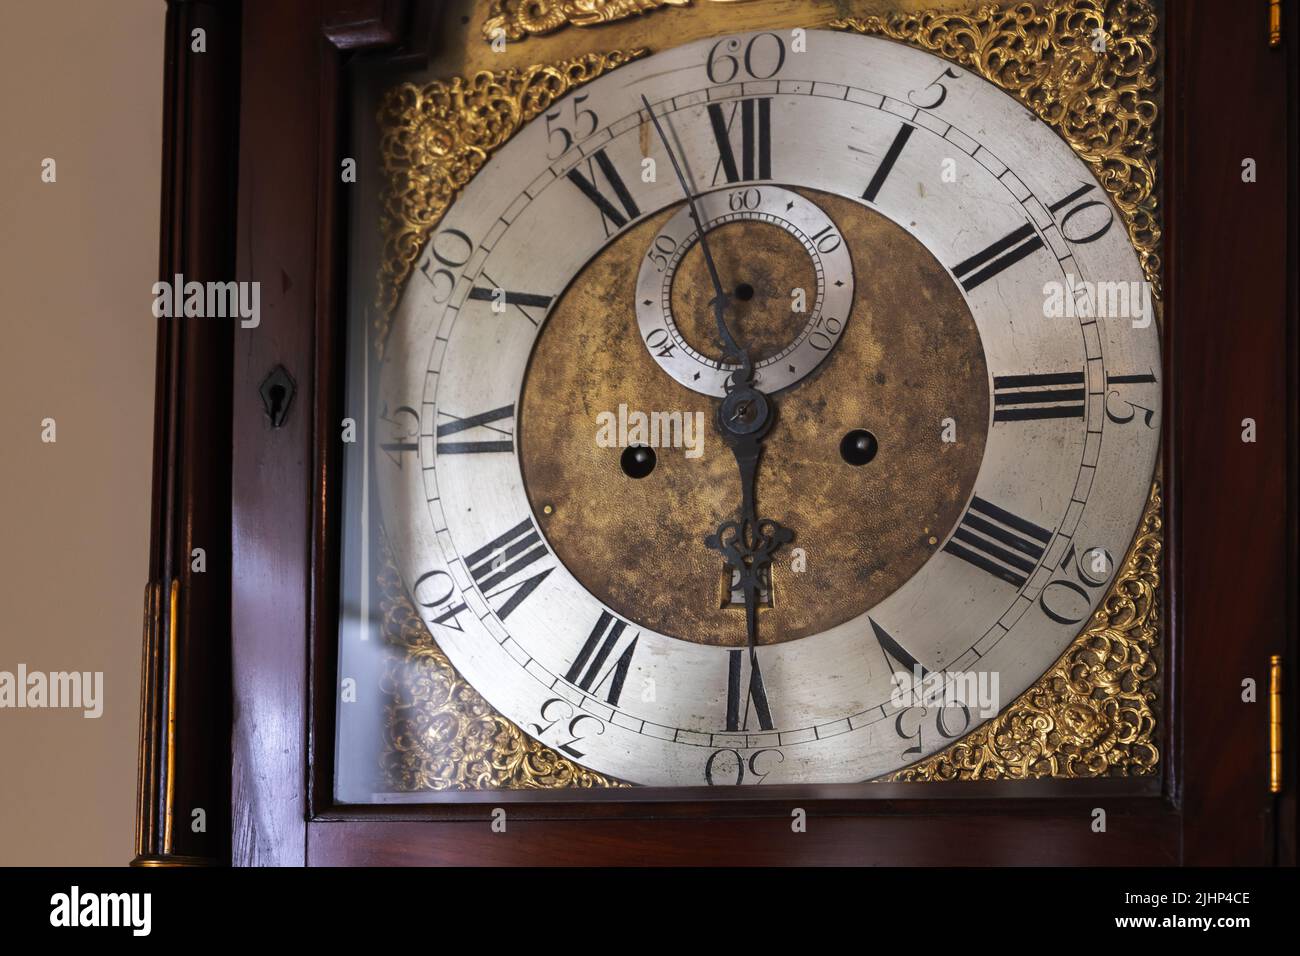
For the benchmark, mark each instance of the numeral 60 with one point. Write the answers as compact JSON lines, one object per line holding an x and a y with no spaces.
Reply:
{"x":723,"y":66}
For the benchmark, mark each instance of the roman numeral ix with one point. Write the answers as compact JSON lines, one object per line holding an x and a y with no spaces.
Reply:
{"x":481,"y":420}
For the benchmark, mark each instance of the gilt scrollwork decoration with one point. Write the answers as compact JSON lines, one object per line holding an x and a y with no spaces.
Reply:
{"x":517,"y":19}
{"x":1086,"y":67}
{"x":1091,"y":714}
{"x":440,"y":734}
{"x":435,"y":137}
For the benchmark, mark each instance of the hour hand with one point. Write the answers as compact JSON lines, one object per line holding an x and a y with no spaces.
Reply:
{"x":748,"y":544}
{"x":747,"y":547}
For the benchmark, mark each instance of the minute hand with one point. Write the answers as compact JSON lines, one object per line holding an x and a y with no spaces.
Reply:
{"x":744,"y":418}
{"x":747,"y":545}
{"x":721,"y":299}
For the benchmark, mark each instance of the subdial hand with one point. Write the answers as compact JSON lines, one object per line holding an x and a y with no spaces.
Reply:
{"x":744,"y":418}
{"x":721,"y":300}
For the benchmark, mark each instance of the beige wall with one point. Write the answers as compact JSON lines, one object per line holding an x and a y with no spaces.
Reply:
{"x":81,"y":82}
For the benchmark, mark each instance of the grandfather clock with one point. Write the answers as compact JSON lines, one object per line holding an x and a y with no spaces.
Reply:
{"x":666,"y":420}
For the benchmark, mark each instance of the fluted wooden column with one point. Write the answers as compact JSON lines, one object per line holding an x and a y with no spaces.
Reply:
{"x":185,"y":681}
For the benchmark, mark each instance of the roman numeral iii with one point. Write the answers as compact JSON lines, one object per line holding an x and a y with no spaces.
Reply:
{"x":1021,"y":398}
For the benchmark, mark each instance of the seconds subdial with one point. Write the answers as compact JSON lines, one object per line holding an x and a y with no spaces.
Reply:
{"x":794,"y":267}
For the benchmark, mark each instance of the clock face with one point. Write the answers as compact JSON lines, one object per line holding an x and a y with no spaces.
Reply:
{"x":692,"y":545}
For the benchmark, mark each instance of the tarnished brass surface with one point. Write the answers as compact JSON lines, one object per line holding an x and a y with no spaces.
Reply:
{"x":1105,"y":107}
{"x":761,"y":255}
{"x":910,"y":356}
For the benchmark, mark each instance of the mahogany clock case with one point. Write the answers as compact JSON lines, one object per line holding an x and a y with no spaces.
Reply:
{"x":253,"y":132}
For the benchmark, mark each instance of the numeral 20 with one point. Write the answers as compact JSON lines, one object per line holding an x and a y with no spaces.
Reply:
{"x":1090,"y":577}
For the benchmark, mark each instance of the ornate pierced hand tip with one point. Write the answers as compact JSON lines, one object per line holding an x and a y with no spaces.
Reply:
{"x":749,"y":544}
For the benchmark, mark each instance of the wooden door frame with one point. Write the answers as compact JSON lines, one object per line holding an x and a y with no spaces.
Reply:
{"x":283,"y":223}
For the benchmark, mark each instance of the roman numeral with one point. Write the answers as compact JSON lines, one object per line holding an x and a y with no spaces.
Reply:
{"x":1022,"y":398}
{"x":609,"y":213}
{"x":493,"y":565}
{"x":523,"y":301}
{"x":896,"y":650}
{"x":996,"y":541}
{"x":1003,"y":254}
{"x":483,"y":419}
{"x":887,"y":164}
{"x":1060,"y":204}
{"x":755,"y":140}
{"x":757,"y":696}
{"x":585,"y":672}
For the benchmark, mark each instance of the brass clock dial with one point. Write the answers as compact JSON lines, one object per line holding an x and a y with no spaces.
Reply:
{"x":958,"y":466}
{"x":889,"y":374}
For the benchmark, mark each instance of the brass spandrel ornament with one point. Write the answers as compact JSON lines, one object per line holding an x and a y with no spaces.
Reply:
{"x":1087,"y":67}
{"x":434,"y":137}
{"x":1093,"y":712}
{"x":440,"y":734}
{"x":517,"y":19}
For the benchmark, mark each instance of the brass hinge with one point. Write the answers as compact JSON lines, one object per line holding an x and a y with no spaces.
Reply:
{"x":1274,"y":23}
{"x":1275,"y":724}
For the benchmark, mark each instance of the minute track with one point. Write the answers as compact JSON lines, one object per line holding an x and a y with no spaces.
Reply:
{"x":821,"y":729}
{"x":952,"y":131}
